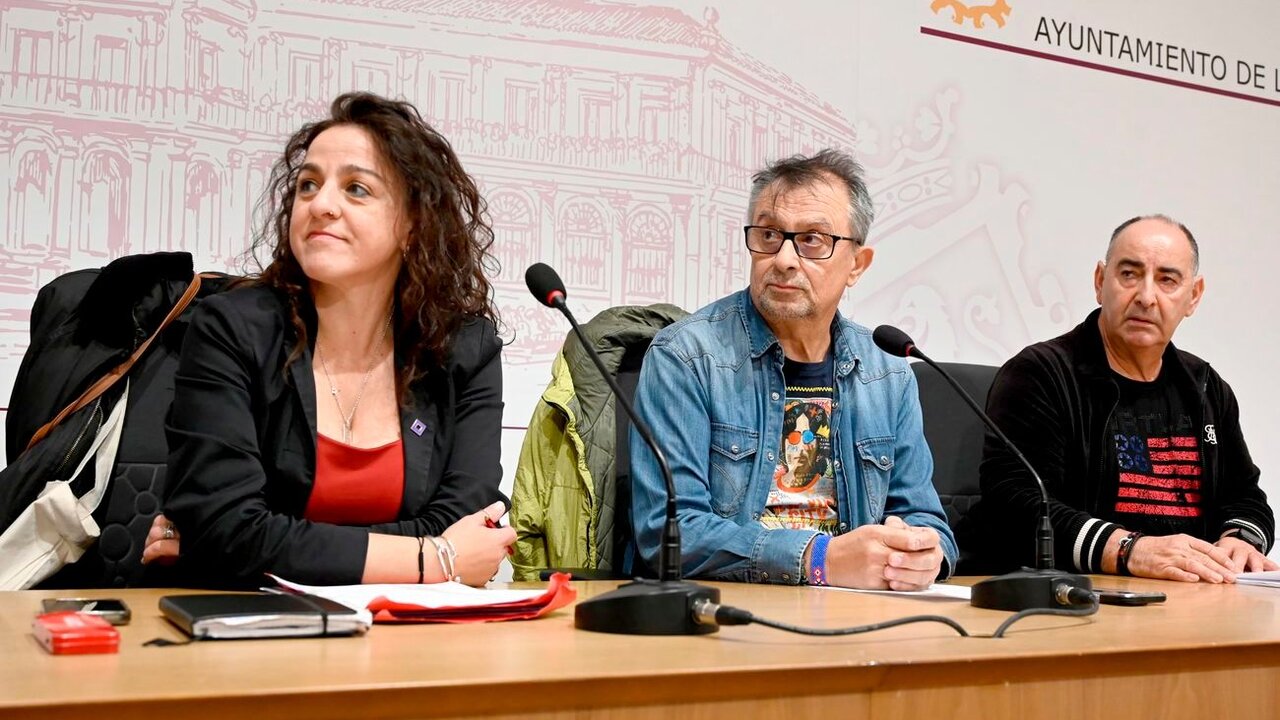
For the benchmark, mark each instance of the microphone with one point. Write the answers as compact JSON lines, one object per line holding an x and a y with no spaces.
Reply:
{"x":1027,"y":588}
{"x":896,"y":342}
{"x":642,"y":607}
{"x":546,"y":286}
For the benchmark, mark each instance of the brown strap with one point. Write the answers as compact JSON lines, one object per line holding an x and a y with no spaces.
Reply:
{"x":119,"y":371}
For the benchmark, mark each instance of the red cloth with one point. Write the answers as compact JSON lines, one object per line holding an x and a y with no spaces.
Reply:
{"x":559,"y":593}
{"x":356,"y":486}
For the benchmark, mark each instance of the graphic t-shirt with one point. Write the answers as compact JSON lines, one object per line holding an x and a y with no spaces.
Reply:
{"x":1155,"y":459}
{"x":803,"y":493}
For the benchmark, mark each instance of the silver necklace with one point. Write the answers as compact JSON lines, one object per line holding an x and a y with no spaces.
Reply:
{"x":346,"y":418}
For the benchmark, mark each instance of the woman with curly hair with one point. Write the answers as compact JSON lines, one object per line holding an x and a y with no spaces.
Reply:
{"x":336,"y":419}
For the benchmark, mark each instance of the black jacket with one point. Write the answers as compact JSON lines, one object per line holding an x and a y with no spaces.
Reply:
{"x":242,"y":440}
{"x":86,"y":322}
{"x":83,"y":324}
{"x":1054,"y":401}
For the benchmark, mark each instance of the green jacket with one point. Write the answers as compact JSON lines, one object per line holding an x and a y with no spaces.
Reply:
{"x":563,"y":503}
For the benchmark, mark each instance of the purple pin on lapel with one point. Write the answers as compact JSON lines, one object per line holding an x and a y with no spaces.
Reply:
{"x":418,"y":427}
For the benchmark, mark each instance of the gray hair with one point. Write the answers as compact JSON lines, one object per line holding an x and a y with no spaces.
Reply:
{"x":1195,"y":247}
{"x":801,"y":170}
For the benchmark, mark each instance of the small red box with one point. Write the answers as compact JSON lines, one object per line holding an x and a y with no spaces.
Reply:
{"x":73,"y":633}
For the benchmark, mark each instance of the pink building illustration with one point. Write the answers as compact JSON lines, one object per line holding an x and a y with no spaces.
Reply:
{"x":615,"y":142}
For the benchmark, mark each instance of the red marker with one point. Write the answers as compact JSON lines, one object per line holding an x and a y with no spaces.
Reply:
{"x":491,"y":523}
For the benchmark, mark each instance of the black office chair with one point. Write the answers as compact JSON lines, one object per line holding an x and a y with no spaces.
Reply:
{"x":626,"y":557}
{"x":955,"y":435}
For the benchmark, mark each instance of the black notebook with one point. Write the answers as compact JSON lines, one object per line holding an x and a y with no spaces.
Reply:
{"x":261,"y":615}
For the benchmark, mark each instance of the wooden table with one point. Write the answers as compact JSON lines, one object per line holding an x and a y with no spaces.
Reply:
{"x":1210,"y":651}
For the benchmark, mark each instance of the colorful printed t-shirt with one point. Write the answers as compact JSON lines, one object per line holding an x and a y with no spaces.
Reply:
{"x":803,"y":493}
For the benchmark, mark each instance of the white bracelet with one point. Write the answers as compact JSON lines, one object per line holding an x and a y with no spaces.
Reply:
{"x":453,"y":558}
{"x":442,"y":554}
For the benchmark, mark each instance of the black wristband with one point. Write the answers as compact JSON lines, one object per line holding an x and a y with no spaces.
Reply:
{"x":422,"y":573}
{"x":1125,"y":551}
{"x":1248,"y":536}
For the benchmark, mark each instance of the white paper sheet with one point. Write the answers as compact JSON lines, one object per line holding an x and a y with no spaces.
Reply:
{"x":1268,"y":578}
{"x":936,"y":591}
{"x":430,"y":596}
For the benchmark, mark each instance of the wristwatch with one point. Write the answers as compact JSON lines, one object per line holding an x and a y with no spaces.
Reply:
{"x":1257,"y":541}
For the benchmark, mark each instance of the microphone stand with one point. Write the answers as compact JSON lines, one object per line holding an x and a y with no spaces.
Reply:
{"x":1028,"y":588}
{"x":644,"y":607}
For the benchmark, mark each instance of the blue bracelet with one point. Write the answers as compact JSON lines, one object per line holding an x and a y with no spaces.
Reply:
{"x":818,"y":560}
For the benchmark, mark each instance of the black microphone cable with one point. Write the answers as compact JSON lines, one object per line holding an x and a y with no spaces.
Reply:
{"x":1077,"y":602}
{"x":709,"y":613}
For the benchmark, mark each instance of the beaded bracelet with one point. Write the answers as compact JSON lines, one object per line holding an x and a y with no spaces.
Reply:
{"x":818,"y":560}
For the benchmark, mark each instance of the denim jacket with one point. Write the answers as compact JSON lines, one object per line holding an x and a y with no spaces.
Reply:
{"x":712,"y":390}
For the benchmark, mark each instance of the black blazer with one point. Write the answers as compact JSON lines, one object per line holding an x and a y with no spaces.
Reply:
{"x":242,"y":447}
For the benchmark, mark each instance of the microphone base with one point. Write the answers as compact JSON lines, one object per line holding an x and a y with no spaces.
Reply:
{"x":1024,"y":590}
{"x":646,"y":607}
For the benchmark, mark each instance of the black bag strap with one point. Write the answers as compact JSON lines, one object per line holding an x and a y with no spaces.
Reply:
{"x":106,"y":381}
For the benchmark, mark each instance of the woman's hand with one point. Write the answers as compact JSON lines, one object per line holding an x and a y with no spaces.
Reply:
{"x":480,"y":547}
{"x":162,"y":542}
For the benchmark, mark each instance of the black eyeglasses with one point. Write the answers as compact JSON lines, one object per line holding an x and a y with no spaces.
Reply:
{"x":809,"y":244}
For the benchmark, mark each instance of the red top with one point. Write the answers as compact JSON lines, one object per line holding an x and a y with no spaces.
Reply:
{"x":356,"y":486}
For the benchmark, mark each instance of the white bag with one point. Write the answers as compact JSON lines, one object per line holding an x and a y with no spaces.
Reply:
{"x":57,"y":527}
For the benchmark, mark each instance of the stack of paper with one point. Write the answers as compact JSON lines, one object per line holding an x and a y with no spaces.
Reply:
{"x":1269,"y":578}
{"x":447,"y":602}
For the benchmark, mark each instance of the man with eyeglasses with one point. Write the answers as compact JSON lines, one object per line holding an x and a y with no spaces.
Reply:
{"x":796,"y":446}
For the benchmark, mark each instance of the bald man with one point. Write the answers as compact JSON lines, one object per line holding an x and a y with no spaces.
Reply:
{"x":1138,"y":443}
